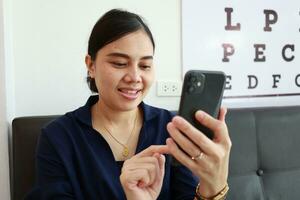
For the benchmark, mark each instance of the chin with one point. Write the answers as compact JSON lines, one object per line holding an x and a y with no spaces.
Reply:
{"x":127,"y":106}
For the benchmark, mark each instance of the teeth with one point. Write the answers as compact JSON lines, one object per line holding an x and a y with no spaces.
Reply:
{"x":129,"y":91}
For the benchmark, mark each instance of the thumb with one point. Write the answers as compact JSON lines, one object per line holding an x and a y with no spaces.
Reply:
{"x":161,"y":161}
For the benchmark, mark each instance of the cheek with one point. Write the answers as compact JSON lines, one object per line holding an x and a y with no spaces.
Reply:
{"x":149,"y":79}
{"x":109,"y":78}
{"x":102,"y":79}
{"x":105,"y":80}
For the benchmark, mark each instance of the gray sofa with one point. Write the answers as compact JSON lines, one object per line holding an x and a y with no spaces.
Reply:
{"x":264,"y":162}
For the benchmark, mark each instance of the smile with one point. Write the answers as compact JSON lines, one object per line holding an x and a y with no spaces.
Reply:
{"x":130,"y":94}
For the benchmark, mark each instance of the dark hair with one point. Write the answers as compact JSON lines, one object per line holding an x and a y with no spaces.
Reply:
{"x":113,"y":25}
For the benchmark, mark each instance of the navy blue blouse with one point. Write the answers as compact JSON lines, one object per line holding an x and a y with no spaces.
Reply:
{"x":75,"y":162}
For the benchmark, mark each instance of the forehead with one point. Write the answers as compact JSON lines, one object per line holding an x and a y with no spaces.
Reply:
{"x":136,"y":44}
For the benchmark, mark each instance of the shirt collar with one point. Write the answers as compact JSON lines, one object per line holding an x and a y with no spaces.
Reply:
{"x":83,"y":113}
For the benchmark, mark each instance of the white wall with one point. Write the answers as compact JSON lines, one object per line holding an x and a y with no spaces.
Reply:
{"x":49,"y":41}
{"x":4,"y":160}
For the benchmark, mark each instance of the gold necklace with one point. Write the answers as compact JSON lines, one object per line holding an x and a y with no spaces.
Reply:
{"x":125,"y":151}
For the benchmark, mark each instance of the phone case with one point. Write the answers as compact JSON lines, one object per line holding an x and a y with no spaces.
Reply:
{"x":202,"y":90}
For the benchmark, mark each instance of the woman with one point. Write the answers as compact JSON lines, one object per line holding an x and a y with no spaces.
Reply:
{"x":116,"y":146}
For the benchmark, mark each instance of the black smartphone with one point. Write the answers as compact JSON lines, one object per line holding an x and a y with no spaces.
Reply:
{"x":201,"y":90}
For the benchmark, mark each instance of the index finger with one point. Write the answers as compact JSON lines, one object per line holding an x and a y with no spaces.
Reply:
{"x":162,"y":149}
{"x":222,"y":114}
{"x":218,"y":126}
{"x":209,"y":121}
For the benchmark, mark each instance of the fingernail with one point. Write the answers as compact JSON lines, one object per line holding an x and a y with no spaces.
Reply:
{"x":225,"y":111}
{"x":169,"y":141}
{"x":156,"y":155}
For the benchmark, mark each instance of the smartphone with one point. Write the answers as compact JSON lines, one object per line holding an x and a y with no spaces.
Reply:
{"x":201,"y":90}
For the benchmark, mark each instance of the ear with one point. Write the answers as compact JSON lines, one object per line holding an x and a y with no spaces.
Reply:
{"x":90,"y":66}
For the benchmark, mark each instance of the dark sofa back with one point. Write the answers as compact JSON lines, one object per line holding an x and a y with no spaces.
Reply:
{"x":25,"y":132}
{"x":264,"y":161}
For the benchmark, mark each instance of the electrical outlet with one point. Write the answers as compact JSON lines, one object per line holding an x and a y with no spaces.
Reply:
{"x":169,"y":88}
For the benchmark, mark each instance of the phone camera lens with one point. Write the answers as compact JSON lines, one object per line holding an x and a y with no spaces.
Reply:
{"x":193,"y":79}
{"x":191,"y":89}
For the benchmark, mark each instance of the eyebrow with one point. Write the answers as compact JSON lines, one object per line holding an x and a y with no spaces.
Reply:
{"x":127,"y":57}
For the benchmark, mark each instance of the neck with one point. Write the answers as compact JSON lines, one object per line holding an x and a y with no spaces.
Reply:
{"x":119,"y":128}
{"x":116,"y":118}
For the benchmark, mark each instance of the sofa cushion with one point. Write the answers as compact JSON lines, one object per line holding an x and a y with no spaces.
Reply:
{"x":264,"y":161}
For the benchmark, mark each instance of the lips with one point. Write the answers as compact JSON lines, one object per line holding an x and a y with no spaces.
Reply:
{"x":129,"y":93}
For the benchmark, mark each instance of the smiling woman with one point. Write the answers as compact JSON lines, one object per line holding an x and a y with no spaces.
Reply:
{"x":118,"y":147}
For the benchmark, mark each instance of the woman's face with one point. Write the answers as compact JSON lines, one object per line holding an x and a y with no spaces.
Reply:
{"x":123,"y":71}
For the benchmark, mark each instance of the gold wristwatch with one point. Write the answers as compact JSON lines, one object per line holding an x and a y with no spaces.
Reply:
{"x":220,"y":196}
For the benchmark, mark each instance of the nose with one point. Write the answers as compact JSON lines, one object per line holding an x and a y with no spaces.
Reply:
{"x":133,"y":74}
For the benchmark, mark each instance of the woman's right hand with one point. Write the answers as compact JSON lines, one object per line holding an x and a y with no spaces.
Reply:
{"x":142,"y":175}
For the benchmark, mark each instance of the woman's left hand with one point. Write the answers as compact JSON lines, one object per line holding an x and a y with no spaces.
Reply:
{"x":208,"y":159}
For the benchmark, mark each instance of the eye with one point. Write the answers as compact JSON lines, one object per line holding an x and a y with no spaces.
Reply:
{"x":146,"y":67}
{"x":119,"y":64}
